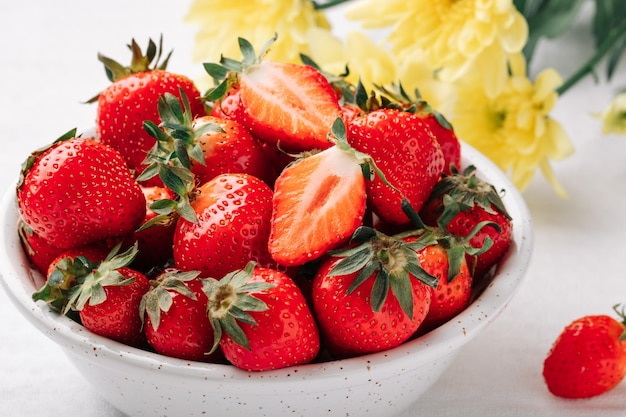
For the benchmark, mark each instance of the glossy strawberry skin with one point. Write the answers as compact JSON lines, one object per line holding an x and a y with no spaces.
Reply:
{"x":450,"y":297}
{"x":155,"y":242}
{"x":184,"y":331}
{"x":125,"y":104}
{"x":448,"y":141}
{"x":40,"y":253}
{"x":232,"y":151}
{"x":406,"y":151}
{"x":587,"y":359}
{"x":117,"y":317}
{"x":286,"y":334}
{"x":347,"y":322}
{"x":234,"y":212}
{"x":80,"y":191}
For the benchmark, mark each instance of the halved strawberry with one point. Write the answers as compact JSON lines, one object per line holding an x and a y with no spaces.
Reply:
{"x":286,"y":103}
{"x":318,"y":203}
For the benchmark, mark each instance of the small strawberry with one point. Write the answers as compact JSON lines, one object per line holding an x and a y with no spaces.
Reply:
{"x":318,"y":203}
{"x":588,"y":358}
{"x":156,"y":239}
{"x":261,"y":319}
{"x":405,"y":150}
{"x":232,"y":224}
{"x":77,"y":191}
{"x":285,"y":103}
{"x":175,"y":319}
{"x":132,"y":99}
{"x":40,"y":253}
{"x":107,"y":299}
{"x":471,"y":201}
{"x":65,"y":269}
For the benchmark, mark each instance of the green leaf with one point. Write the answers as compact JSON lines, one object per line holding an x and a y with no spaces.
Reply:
{"x":380,"y":290}
{"x":216,"y":71}
{"x":247,"y":50}
{"x":352,"y":263}
{"x":403,"y":291}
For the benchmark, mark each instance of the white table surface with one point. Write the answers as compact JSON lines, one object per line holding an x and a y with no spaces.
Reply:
{"x":48,"y":66}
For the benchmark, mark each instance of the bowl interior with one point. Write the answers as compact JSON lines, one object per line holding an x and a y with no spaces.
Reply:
{"x":20,"y":281}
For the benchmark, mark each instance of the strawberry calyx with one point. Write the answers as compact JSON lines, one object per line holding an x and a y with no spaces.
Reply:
{"x":140,"y":62}
{"x":32,"y":158}
{"x":159,"y":298}
{"x":466,"y":190}
{"x":230,"y":300}
{"x":89,"y":287}
{"x":226,"y":72}
{"x":390,"y":259}
{"x":57,"y":289}
{"x":621,"y":313}
{"x":171,"y":156}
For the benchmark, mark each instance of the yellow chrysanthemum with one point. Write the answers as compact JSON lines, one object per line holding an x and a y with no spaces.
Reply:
{"x":221,"y":22}
{"x":614,"y":116}
{"x":514,"y":128}
{"x":454,"y":35}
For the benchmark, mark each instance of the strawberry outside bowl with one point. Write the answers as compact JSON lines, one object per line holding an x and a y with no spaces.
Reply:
{"x":142,"y":383}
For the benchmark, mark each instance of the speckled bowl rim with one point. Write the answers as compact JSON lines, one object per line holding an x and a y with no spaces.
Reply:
{"x":440,"y":342}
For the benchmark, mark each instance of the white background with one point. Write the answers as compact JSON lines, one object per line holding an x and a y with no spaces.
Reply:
{"x":48,"y":66}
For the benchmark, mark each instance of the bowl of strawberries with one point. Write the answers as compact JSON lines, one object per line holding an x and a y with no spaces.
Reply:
{"x":285,"y":244}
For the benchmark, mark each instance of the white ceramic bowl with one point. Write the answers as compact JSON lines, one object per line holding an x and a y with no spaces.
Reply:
{"x":141,"y":383}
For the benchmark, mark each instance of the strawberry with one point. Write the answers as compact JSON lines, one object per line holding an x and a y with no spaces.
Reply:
{"x":261,"y":319}
{"x":285,"y":103}
{"x":372,"y":296}
{"x":155,"y":238}
{"x":407,"y":153}
{"x":175,"y":319}
{"x":63,"y":271}
{"x":77,"y":191}
{"x":107,"y":299}
{"x":214,"y":145}
{"x":232,"y":226}
{"x":438,"y":124}
{"x":452,"y":293}
{"x":132,"y":99}
{"x":40,"y":253}
{"x":470,"y":201}
{"x":318,"y":203}
{"x":588,"y":358}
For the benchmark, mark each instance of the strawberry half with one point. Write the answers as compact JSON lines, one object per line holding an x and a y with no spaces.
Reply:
{"x":318,"y":203}
{"x":290,"y":104}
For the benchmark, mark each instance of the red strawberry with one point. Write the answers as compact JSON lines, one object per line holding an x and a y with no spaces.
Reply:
{"x":175,"y":319}
{"x":107,"y":299}
{"x":132,"y":99}
{"x":233,"y":213}
{"x":452,"y":293}
{"x":471,"y":201}
{"x":438,"y":124}
{"x":261,"y":319}
{"x":318,"y":203}
{"x":407,"y":153}
{"x":78,"y":191}
{"x":371,"y":297}
{"x":64,"y":271}
{"x":588,"y":358}
{"x":230,"y":150}
{"x":40,"y":253}
{"x":208,"y":146}
{"x":285,"y":103}
{"x":156,"y":241}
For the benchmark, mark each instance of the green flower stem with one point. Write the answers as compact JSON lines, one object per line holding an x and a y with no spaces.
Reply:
{"x":327,"y":4}
{"x":588,"y":68}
